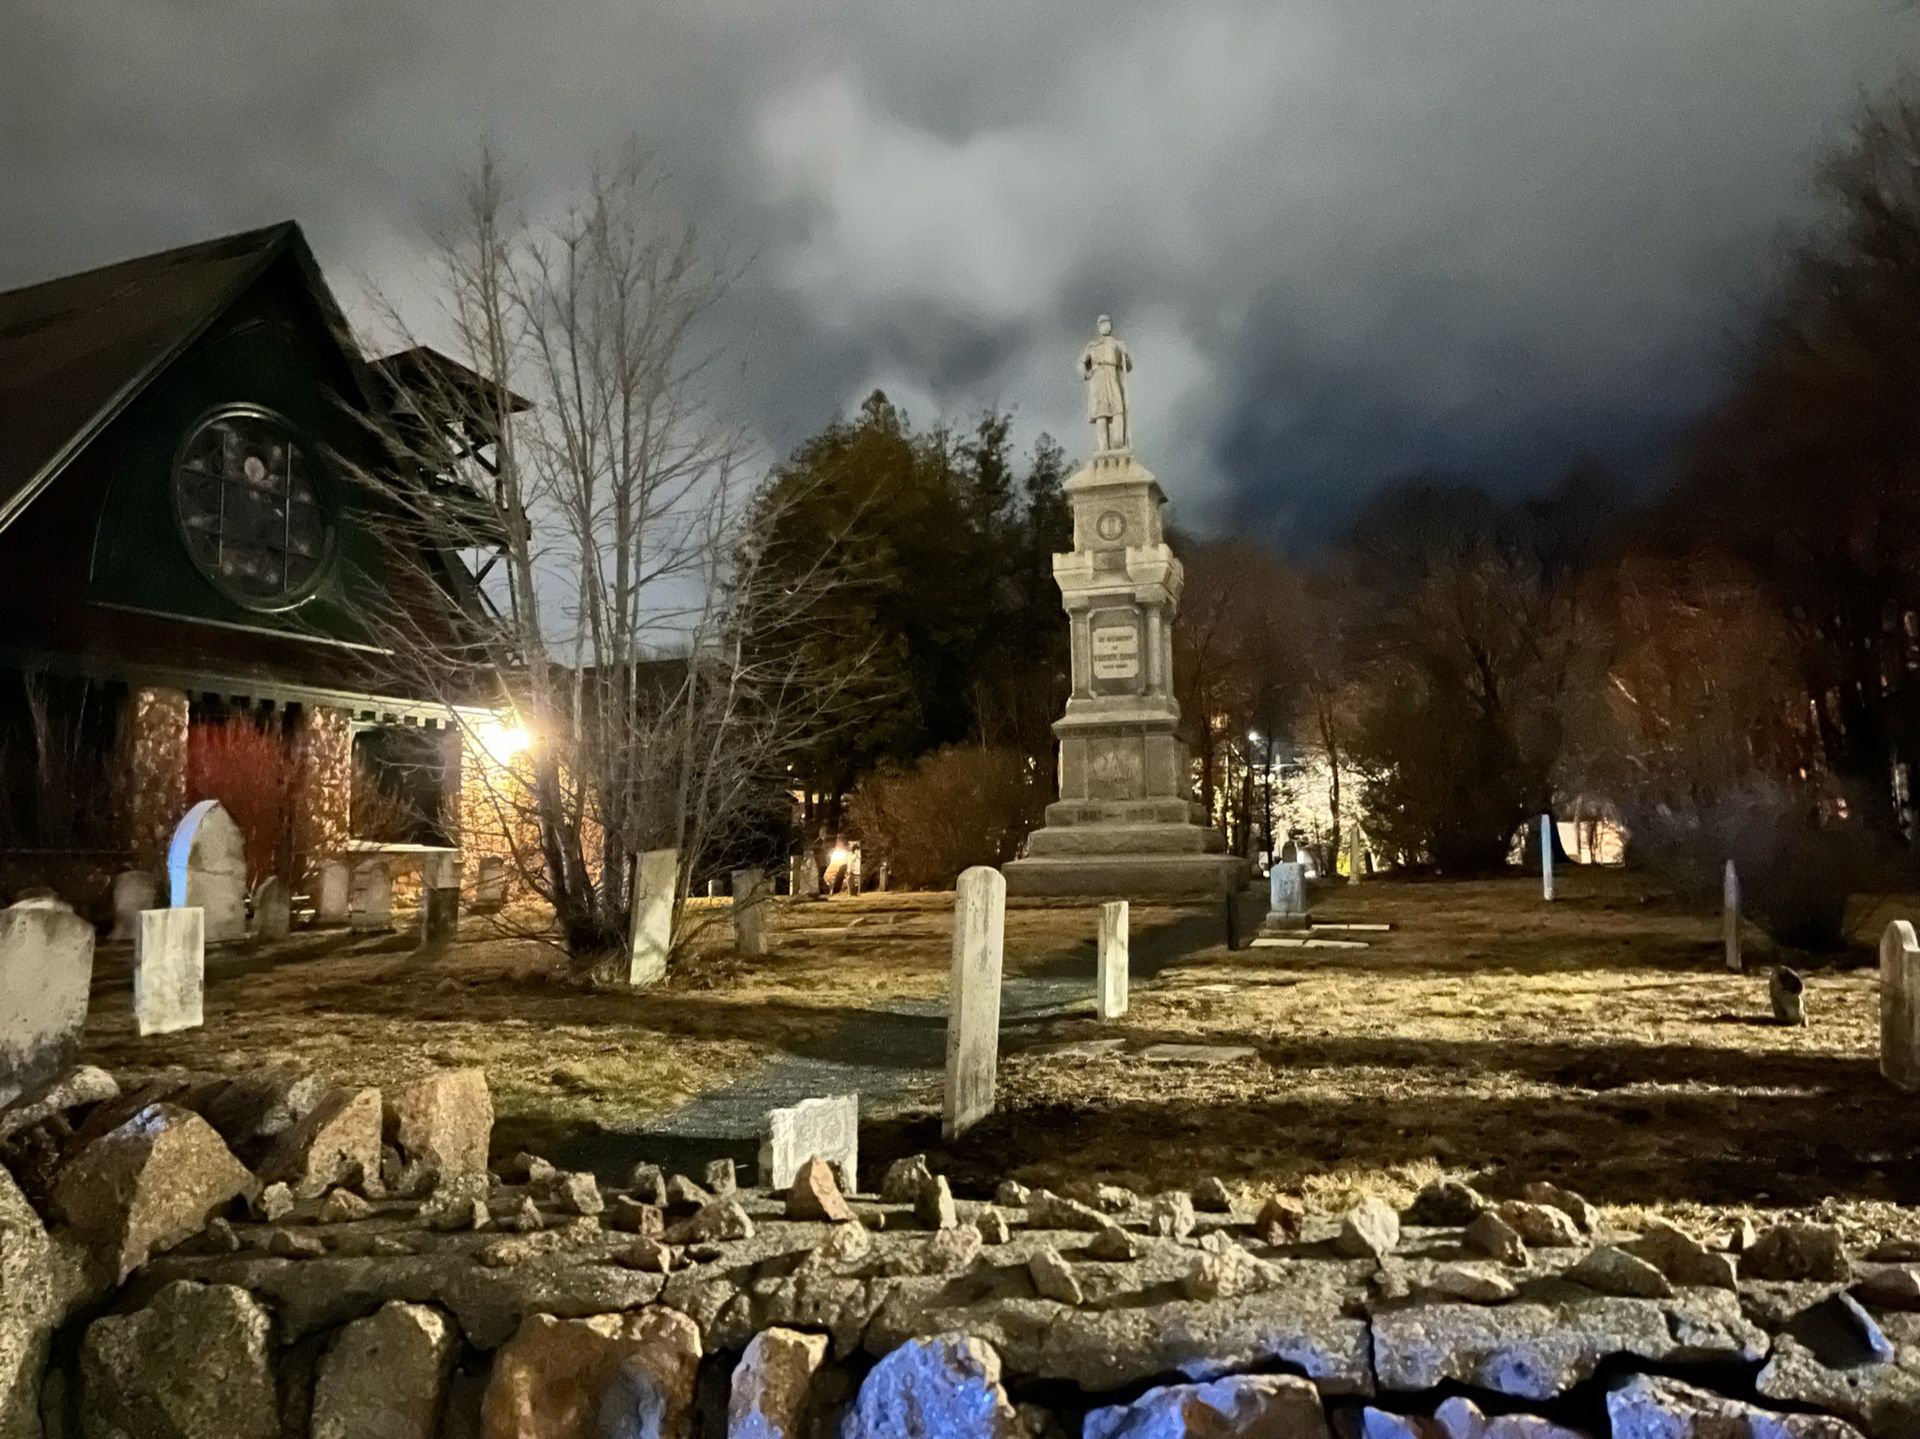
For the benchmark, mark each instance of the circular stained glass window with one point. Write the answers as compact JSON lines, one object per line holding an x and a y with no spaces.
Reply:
{"x":244,"y":490}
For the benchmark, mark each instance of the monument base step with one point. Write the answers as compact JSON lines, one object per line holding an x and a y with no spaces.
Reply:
{"x":1063,"y":812}
{"x":1128,"y":876}
{"x":1060,"y":841}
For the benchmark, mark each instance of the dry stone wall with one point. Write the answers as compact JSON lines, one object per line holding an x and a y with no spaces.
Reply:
{"x":275,"y":1254}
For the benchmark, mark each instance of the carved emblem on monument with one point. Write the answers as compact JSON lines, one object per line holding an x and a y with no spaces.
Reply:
{"x":1111,"y":525}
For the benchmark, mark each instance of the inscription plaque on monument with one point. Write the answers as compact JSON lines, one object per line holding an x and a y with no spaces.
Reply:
{"x":1113,"y":644}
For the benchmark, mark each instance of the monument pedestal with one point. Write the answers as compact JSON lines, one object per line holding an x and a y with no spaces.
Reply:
{"x":1123,"y":825}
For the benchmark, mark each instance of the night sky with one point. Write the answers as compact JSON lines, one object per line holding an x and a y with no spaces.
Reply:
{"x":1347,"y":240}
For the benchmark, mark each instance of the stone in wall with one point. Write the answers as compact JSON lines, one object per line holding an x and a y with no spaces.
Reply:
{"x":196,"y":1363}
{"x":320,"y":795}
{"x":156,"y":771}
{"x":583,"y":1378}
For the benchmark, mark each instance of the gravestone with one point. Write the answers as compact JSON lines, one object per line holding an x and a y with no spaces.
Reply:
{"x":1356,"y":859}
{"x":973,"y":998}
{"x":207,"y":870}
{"x":650,"y":937}
{"x":46,"y":972}
{"x":169,"y":970}
{"x":803,"y":872}
{"x":883,"y":876}
{"x":716,"y":888}
{"x":1546,"y":857}
{"x":826,"y":1129}
{"x":272,"y":909}
{"x":752,"y":912}
{"x":1289,"y":853}
{"x":133,"y":891}
{"x":1286,"y":897}
{"x":1110,"y":998}
{"x":1900,"y":1005}
{"x":333,"y":893}
{"x":440,"y":897}
{"x":490,"y":885}
{"x":1730,"y":917}
{"x":1787,"y":992}
{"x":370,"y":898}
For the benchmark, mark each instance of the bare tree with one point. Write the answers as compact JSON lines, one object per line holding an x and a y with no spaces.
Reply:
{"x":610,"y":586}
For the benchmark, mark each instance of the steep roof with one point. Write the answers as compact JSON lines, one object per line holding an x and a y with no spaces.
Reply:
{"x":75,"y":351}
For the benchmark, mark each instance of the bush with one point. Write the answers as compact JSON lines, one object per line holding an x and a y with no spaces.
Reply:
{"x":247,"y":768}
{"x":956,"y":808}
{"x":1798,"y":865}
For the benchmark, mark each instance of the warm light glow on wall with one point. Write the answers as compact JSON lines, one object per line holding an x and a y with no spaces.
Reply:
{"x":501,"y":740}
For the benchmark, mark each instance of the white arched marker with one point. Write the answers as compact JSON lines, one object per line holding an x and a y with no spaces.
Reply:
{"x":1546,"y":856}
{"x":1900,"y":1005}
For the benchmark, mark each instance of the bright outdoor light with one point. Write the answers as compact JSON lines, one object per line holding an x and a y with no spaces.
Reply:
{"x":839,"y":856}
{"x":501,"y":740}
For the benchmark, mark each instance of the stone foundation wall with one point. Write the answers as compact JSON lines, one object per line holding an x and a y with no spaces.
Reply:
{"x":156,"y":772}
{"x":362,"y":1273}
{"x":321,"y":790}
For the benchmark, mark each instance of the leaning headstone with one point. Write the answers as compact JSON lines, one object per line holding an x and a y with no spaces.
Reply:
{"x":1900,"y":1005}
{"x":333,"y":895}
{"x":1730,"y":917}
{"x":973,"y":998}
{"x":169,"y":970}
{"x":1286,"y":897}
{"x":207,"y":870}
{"x":272,"y":909}
{"x":1110,"y":998}
{"x":826,"y":1129}
{"x":440,"y":897}
{"x":370,"y":899}
{"x":133,"y":891}
{"x":751,"y":912}
{"x":1546,"y":857}
{"x":46,"y":971}
{"x":650,"y":937}
{"x":490,"y":884}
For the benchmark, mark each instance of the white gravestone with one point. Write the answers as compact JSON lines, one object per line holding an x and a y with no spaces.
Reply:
{"x":1730,"y":917}
{"x":650,"y":938}
{"x":169,"y":970}
{"x":333,"y":893}
{"x":1546,"y":856}
{"x":1355,"y":861}
{"x":1110,"y":999}
{"x":272,"y":909}
{"x":370,"y":897}
{"x":826,"y":1129}
{"x":440,"y":897}
{"x":1900,"y":1005}
{"x":751,"y":912}
{"x":1286,"y":896}
{"x":803,"y":881}
{"x":207,"y":870}
{"x":46,"y":972}
{"x":490,"y":884}
{"x":133,"y":891}
{"x":973,"y":998}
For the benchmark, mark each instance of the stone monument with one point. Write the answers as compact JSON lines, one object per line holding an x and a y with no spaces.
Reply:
{"x":1125,"y":823}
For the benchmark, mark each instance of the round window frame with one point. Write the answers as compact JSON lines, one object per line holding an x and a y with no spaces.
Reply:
{"x":323,"y":500}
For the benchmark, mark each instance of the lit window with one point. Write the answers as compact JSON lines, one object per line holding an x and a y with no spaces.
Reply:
{"x":245,"y":496}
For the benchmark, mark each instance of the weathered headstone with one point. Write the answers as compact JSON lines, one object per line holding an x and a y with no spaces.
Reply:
{"x":169,"y":970}
{"x":803,"y":872}
{"x":333,"y":893}
{"x":207,"y":870}
{"x":1900,"y":1005}
{"x":716,"y":888}
{"x":370,"y":898}
{"x":973,"y":998}
{"x":133,"y":891}
{"x":1730,"y":917}
{"x":490,"y":884}
{"x":826,"y":1129}
{"x":751,"y":912}
{"x":440,"y":897}
{"x":1286,"y":897}
{"x":1289,"y":853}
{"x":650,"y":937}
{"x":1110,"y":1000}
{"x":46,"y":971}
{"x":883,"y":876}
{"x":272,"y":909}
{"x":1355,"y":859}
{"x":1787,"y":992}
{"x":1546,"y":857}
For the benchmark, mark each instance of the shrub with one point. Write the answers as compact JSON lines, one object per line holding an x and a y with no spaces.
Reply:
{"x":955,"y":808}
{"x":247,"y":768}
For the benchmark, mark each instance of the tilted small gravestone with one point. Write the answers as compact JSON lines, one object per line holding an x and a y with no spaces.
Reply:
{"x":207,"y":870}
{"x":826,"y":1129}
{"x":333,"y":894}
{"x":973,"y":998}
{"x":1730,"y":917}
{"x":272,"y":909}
{"x":490,"y":884}
{"x":752,"y":912}
{"x":1286,"y":896}
{"x":46,"y":973}
{"x":133,"y":891}
{"x":370,"y":898}
{"x":440,"y":897}
{"x":1110,"y":978}
{"x":1900,"y":1005}
{"x":169,"y":970}
{"x":650,"y":935}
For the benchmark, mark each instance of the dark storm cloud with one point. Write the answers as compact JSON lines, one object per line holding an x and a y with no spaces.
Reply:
{"x":1347,"y":241}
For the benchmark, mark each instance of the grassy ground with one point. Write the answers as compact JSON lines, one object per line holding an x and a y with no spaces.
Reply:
{"x":1597,"y":1041}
